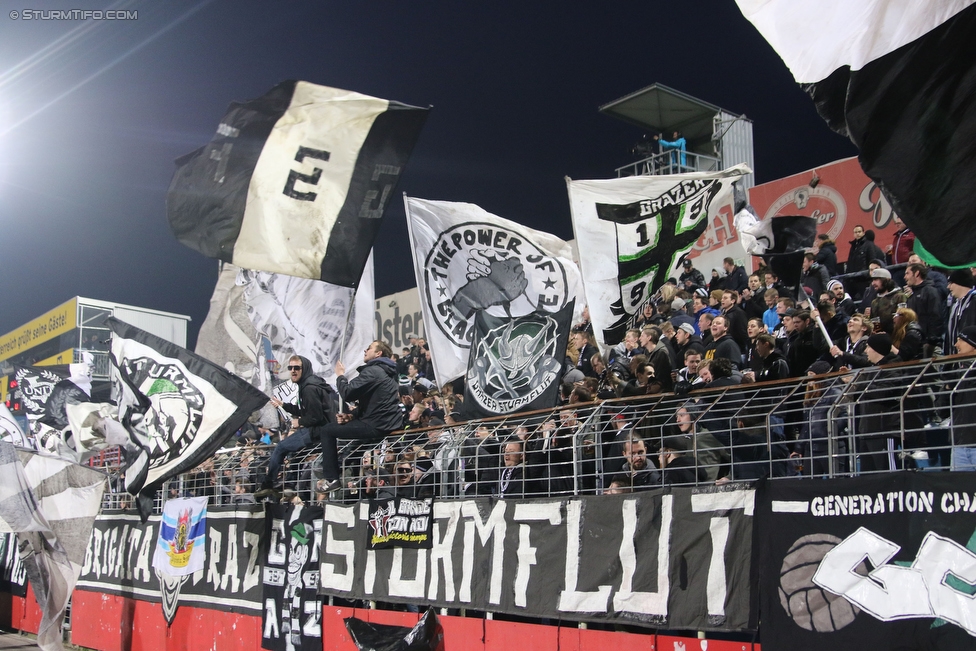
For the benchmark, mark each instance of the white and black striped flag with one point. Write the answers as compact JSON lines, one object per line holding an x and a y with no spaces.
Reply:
{"x":178,"y":407}
{"x":899,"y":79}
{"x":51,"y":504}
{"x":295,"y":181}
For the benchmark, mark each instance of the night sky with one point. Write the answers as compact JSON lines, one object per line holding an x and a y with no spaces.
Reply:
{"x":93,"y":114}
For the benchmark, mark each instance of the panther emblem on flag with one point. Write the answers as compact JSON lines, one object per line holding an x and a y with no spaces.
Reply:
{"x":515,"y":363}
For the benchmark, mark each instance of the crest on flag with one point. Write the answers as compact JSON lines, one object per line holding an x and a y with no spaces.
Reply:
{"x":177,"y":407}
{"x":516,"y":364}
{"x":469,"y":261}
{"x":656,"y":221}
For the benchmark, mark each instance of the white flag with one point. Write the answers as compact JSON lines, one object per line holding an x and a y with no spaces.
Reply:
{"x":633,"y":233}
{"x":467,"y":259}
{"x":181,"y":547}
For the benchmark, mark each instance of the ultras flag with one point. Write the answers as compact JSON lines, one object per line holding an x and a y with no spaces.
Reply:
{"x":295,"y":181}
{"x":899,"y":79}
{"x":177,"y":407}
{"x":636,"y":231}
{"x":468,"y":260}
{"x":782,"y":242}
{"x":516,"y":363}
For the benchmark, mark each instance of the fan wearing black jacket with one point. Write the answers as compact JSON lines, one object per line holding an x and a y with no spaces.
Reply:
{"x":315,"y":409}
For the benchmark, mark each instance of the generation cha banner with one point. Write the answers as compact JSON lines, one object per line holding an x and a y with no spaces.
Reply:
{"x":676,"y":559}
{"x":877,"y":562}
{"x":633,"y":233}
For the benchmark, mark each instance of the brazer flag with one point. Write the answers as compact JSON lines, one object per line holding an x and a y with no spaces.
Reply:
{"x":516,"y":362}
{"x":177,"y":407}
{"x":295,"y":181}
{"x":899,"y":79}
{"x":636,"y":231}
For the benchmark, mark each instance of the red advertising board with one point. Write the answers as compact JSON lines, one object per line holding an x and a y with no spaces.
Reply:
{"x":842,"y":199}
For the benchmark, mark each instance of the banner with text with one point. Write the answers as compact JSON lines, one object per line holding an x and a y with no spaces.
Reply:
{"x":119,"y":561}
{"x":677,"y":559}
{"x":879,"y":562}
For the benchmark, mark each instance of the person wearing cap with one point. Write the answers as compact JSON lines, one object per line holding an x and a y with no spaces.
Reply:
{"x":886,"y":301}
{"x":963,"y":419}
{"x":928,"y":305}
{"x":679,"y":312}
{"x":686,"y":339}
{"x":690,"y":278}
{"x":963,"y":312}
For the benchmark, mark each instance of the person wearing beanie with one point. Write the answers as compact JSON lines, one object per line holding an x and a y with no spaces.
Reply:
{"x":963,"y":312}
{"x":878,"y":407}
{"x":963,"y":417}
{"x":819,"y":367}
{"x":843,"y":302}
{"x":879,"y":348}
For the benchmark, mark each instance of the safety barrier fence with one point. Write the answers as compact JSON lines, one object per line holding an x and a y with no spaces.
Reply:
{"x":869,"y":420}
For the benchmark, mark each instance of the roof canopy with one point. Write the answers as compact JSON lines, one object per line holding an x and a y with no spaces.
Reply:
{"x":660,"y":109}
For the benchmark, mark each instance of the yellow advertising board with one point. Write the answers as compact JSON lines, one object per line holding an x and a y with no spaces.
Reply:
{"x":66,"y":357}
{"x":3,"y":388}
{"x":58,"y":321}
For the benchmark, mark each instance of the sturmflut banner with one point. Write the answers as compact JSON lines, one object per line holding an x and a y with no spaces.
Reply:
{"x":877,"y":562}
{"x":676,"y":559}
{"x":119,"y":561}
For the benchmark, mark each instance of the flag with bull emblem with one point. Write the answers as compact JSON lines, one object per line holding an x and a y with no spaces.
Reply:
{"x":468,"y":260}
{"x":637,"y":230}
{"x":516,"y":364}
{"x":177,"y":407}
{"x":295,"y":182}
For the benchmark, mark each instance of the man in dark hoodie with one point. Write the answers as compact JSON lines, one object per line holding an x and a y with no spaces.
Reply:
{"x":315,"y":409}
{"x":378,"y":413}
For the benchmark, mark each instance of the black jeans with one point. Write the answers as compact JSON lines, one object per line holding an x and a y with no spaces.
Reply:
{"x":354,"y":429}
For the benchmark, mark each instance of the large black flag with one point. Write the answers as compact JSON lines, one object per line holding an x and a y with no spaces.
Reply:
{"x":516,"y":363}
{"x":899,"y":79}
{"x":876,"y":562}
{"x":295,"y":181}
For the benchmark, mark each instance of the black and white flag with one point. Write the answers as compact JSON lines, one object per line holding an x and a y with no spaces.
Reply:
{"x":468,"y":260}
{"x":178,"y":408}
{"x":898,"y":79}
{"x":35,"y":384}
{"x":295,"y":181}
{"x":516,"y":363}
{"x":10,"y":429}
{"x":290,"y":578}
{"x":634,"y":233}
{"x":51,"y":504}
{"x":883,"y":561}
{"x":781,"y":241}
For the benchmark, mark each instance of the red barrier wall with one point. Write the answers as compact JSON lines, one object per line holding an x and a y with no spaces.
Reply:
{"x":102,"y":621}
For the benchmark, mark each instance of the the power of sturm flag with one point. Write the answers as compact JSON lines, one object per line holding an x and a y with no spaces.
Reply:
{"x":636,"y":231}
{"x":178,"y":407}
{"x":899,"y":79}
{"x":468,"y":261}
{"x":295,"y":182}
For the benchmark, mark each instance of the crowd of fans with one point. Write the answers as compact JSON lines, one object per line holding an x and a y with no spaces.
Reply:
{"x":692,"y":336}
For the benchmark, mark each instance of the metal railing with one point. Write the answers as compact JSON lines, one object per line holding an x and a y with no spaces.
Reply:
{"x":871,"y":420}
{"x":671,"y":162}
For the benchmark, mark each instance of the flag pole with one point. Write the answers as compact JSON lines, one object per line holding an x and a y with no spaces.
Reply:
{"x":345,"y":332}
